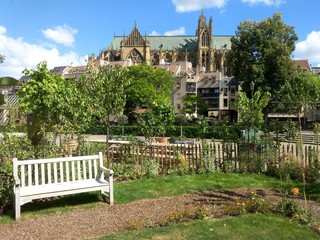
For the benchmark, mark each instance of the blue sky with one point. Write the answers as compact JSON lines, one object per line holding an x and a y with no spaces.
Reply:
{"x":65,"y":32}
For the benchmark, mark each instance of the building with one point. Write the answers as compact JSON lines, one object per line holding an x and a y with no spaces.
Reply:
{"x":205,"y":51}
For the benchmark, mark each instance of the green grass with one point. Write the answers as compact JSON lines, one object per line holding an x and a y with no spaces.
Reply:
{"x":177,"y":185}
{"x":243,"y":227}
{"x":126,"y":192}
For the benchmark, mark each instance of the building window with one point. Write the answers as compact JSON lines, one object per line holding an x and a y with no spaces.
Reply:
{"x":225,"y":91}
{"x":232,"y":91}
{"x":205,"y":39}
{"x":225,"y":102}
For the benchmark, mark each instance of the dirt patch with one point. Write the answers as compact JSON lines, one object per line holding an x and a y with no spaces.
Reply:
{"x":103,"y":220}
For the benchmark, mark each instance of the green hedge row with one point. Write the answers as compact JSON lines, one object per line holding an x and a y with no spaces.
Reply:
{"x":213,"y":132}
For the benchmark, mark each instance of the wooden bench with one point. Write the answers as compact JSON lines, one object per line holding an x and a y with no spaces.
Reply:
{"x":42,"y":178}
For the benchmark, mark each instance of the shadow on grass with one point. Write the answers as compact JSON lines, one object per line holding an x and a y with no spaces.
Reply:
{"x":58,"y":204}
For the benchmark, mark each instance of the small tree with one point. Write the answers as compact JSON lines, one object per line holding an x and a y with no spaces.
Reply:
{"x":250,"y":112}
{"x":104,"y":94}
{"x":122,"y":121}
{"x":157,"y":119}
{"x":180,"y":119}
{"x":51,"y":103}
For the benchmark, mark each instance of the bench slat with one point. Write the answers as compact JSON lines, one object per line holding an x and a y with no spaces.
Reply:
{"x":23,"y":176}
{"x":29,"y":175}
{"x":90,"y":169}
{"x":42,"y":172}
{"x":67,"y":172}
{"x":84,"y":169}
{"x":49,"y":172}
{"x":36,"y":174}
{"x":79,"y":172}
{"x":73,"y":171}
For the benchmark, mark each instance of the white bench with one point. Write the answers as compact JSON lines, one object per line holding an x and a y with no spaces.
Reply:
{"x":42,"y":178}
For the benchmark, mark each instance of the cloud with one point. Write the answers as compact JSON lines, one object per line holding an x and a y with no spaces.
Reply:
{"x":61,"y":35}
{"x":265,"y":2}
{"x":309,"y":48}
{"x":192,"y":5}
{"x":154,"y":33}
{"x":179,"y":31}
{"x":20,"y":55}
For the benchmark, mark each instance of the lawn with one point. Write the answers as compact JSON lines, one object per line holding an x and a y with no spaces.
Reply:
{"x":243,"y":227}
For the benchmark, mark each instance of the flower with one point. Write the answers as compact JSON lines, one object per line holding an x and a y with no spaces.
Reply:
{"x":295,"y":191}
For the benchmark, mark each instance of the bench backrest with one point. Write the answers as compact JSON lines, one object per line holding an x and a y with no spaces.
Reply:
{"x":57,"y":170}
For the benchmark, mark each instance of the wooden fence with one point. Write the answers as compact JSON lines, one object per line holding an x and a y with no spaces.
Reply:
{"x":216,"y":156}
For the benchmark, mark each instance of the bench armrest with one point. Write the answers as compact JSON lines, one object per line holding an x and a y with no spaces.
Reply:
{"x":16,"y":181}
{"x":106,"y":170}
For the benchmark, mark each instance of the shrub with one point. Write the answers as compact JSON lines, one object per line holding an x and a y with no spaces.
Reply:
{"x":11,"y":146}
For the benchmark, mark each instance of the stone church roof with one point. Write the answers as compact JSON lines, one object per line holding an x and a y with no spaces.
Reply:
{"x":176,"y":42}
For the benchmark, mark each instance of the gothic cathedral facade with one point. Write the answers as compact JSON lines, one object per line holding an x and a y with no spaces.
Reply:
{"x":206,"y":52}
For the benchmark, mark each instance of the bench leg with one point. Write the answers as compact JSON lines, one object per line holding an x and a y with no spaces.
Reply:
{"x":17,"y":206}
{"x":111,"y":200}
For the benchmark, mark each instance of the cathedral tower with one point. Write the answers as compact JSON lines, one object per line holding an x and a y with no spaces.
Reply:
{"x":205,"y":42}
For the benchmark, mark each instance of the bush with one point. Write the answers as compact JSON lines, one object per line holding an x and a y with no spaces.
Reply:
{"x":11,"y":146}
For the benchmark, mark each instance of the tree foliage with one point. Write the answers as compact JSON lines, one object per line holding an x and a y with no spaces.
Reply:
{"x":250,"y":110}
{"x":302,"y":93}
{"x":260,"y":53}
{"x":1,"y":58}
{"x":147,"y":85}
{"x":194,"y":103}
{"x":103,"y":92}
{"x":52,"y":103}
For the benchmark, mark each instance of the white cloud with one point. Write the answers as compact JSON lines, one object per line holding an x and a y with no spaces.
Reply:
{"x":20,"y":55}
{"x":192,"y":5}
{"x":265,"y":2}
{"x":179,"y":31}
{"x":154,"y":33}
{"x":61,"y":34}
{"x":309,"y":48}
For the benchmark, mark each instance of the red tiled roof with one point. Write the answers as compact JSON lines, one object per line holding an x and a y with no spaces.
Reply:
{"x":302,"y":64}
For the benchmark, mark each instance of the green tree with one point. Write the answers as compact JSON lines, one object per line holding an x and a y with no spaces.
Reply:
{"x":1,"y":58}
{"x":157,"y":119}
{"x":103,"y":90}
{"x":301,"y":94}
{"x":250,"y":112}
{"x":52,"y":103}
{"x":261,"y":53}
{"x":192,"y":103}
{"x":180,"y":119}
{"x":147,"y":85}
{"x":122,"y":121}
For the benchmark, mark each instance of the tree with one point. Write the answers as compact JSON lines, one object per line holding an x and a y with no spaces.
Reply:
{"x":260,"y":53}
{"x":122,"y":120}
{"x":1,"y":58}
{"x":157,"y":119}
{"x":180,"y":119}
{"x":103,"y":90}
{"x":147,"y":85}
{"x":192,"y":103}
{"x":250,"y":112}
{"x":52,"y":104}
{"x":301,"y":94}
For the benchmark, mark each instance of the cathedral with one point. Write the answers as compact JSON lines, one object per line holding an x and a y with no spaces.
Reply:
{"x":206,"y":52}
